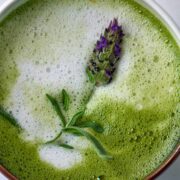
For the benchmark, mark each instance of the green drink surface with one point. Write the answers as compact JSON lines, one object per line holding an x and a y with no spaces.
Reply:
{"x":45,"y":46}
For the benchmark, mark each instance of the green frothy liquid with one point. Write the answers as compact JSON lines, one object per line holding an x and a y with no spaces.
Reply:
{"x":139,"y":110}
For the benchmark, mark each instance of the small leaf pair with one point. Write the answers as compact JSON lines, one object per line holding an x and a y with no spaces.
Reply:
{"x":56,"y":106}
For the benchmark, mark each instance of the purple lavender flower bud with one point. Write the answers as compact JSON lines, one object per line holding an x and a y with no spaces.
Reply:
{"x":108,"y":72}
{"x":103,"y":43}
{"x":114,"y":26}
{"x":117,"y":50}
{"x":106,"y":54}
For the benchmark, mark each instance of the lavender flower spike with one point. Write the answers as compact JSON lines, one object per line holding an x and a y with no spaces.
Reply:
{"x":106,"y":54}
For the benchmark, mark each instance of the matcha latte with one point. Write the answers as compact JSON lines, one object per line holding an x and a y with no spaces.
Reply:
{"x":45,"y":46}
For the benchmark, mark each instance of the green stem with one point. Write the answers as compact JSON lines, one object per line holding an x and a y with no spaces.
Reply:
{"x":93,"y":87}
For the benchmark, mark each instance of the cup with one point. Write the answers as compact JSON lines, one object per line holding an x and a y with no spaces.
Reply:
{"x":7,"y":6}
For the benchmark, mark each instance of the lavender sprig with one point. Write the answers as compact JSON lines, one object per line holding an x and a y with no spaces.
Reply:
{"x":100,"y":70}
{"x":106,"y":54}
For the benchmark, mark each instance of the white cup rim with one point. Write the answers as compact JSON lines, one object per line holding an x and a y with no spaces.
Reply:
{"x":164,"y":17}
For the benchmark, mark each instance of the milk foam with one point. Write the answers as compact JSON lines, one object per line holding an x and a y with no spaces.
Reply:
{"x":60,"y":157}
{"x":64,"y":158}
{"x":32,"y":85}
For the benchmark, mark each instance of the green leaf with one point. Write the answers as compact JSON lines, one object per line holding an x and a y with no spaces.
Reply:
{"x":66,"y":146}
{"x":91,"y":124}
{"x":75,"y":118}
{"x":8,"y":117}
{"x":97,"y":145}
{"x":65,"y":99}
{"x":54,"y":140}
{"x":72,"y":131}
{"x":90,"y":76}
{"x":57,"y":109}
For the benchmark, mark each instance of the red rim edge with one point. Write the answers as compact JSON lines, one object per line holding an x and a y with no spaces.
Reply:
{"x":7,"y":174}
{"x":151,"y":176}
{"x":165,"y":164}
